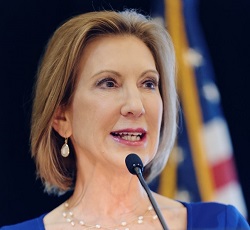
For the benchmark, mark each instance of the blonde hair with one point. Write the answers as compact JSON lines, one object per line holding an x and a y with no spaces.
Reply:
{"x":57,"y":79}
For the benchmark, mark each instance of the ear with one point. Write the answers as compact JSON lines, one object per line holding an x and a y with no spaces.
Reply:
{"x":61,"y":122}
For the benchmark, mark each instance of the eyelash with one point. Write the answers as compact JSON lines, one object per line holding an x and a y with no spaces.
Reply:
{"x":103,"y":81}
{"x":153,"y":81}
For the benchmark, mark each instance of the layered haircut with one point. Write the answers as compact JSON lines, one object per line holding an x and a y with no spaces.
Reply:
{"x":57,"y":79}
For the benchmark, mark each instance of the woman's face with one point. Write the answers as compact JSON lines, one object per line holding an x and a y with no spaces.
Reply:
{"x":117,"y":106}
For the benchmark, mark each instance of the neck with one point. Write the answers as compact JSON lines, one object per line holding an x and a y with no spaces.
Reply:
{"x":104,"y":192}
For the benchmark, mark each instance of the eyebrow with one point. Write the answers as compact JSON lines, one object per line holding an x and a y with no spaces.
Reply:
{"x":119,"y":75}
{"x":152,"y":71}
{"x":107,"y":71}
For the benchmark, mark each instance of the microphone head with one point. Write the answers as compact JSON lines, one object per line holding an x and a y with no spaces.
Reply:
{"x":132,"y":161}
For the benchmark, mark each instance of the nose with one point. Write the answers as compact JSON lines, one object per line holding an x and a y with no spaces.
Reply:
{"x":132,"y":104}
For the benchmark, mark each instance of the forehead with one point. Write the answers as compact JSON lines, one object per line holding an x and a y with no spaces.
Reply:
{"x":116,"y":51}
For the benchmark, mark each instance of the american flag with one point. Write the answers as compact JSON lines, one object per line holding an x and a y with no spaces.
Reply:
{"x":201,"y":166}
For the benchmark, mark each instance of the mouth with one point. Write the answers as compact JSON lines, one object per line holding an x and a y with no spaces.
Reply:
{"x":129,"y":136}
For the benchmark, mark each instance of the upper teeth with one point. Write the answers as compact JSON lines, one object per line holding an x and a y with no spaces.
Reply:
{"x":129,"y":136}
{"x":126,"y":133}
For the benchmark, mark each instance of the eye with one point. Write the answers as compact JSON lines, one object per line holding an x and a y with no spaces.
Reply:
{"x":150,"y":84}
{"x":107,"y":83}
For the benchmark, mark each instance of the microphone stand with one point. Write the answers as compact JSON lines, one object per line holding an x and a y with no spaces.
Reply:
{"x":151,"y":198}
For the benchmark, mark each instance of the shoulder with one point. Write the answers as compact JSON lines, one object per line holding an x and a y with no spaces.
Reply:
{"x":214,"y":215}
{"x":173,"y":211}
{"x":36,"y":224}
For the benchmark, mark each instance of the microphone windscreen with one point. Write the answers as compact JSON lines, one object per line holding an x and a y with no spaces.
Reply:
{"x":132,"y":160}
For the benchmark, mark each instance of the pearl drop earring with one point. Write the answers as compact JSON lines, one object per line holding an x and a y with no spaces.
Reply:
{"x":65,"y":148}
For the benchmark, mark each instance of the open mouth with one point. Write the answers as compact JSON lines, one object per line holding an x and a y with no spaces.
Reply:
{"x":129,"y":136}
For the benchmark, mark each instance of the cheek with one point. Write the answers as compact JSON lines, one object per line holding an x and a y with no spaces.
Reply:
{"x":90,"y":114}
{"x":155,"y":109}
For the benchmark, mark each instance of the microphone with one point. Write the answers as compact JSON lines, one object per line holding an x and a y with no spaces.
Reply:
{"x":135,"y":167}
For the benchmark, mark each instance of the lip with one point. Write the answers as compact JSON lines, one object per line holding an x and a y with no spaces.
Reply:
{"x":129,"y":142}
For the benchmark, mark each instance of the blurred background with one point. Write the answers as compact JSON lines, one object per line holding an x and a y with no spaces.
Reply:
{"x":211,"y":158}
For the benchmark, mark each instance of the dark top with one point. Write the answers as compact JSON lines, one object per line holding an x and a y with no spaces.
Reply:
{"x":199,"y":216}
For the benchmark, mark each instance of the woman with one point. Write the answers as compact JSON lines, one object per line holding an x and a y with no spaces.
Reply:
{"x":105,"y":89}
